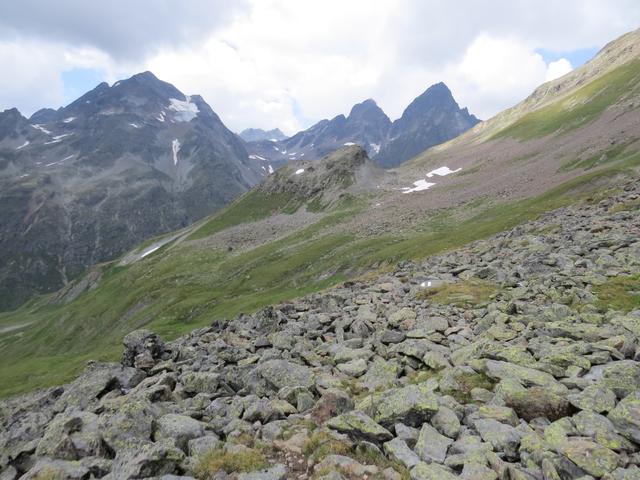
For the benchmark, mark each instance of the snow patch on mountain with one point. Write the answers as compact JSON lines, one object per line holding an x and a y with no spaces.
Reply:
{"x":37,"y":126}
{"x":299,"y":171}
{"x":185,"y":110}
{"x":418,"y":186}
{"x":23,"y":145}
{"x":69,"y":120}
{"x":175,"y":148}
{"x":442,"y":171}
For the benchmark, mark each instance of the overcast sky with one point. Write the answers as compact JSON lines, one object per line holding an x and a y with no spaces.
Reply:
{"x":290,"y":63}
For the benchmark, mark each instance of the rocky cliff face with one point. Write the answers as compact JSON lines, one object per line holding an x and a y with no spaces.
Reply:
{"x":514,"y":357}
{"x":83,"y":184}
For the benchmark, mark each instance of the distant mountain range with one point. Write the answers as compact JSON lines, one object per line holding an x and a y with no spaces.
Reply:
{"x":82,"y":184}
{"x":432,"y":118}
{"x":257,"y":134}
{"x":122,"y":163}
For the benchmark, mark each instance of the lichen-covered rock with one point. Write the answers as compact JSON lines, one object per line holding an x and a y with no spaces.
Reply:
{"x":178,"y":430}
{"x":72,"y":436}
{"x":282,"y":373}
{"x":411,"y":405}
{"x":525,"y":376}
{"x":147,"y":460}
{"x":446,"y":422}
{"x":431,"y":471}
{"x":503,"y":438}
{"x":398,"y":451}
{"x":537,"y":402}
{"x":431,"y":445}
{"x":622,"y":377}
{"x":626,"y":417}
{"x":359,"y":426}
{"x":593,"y":458}
{"x":595,"y":398}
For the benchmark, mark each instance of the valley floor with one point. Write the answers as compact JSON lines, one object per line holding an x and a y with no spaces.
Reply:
{"x":520,"y":361}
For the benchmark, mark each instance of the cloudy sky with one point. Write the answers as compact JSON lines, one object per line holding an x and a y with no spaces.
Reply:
{"x":289,"y":63}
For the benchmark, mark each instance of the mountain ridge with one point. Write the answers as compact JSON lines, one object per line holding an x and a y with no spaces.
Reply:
{"x":431,"y":118}
{"x":118,"y":165}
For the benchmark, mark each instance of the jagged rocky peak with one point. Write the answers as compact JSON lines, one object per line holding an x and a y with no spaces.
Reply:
{"x":430,"y":119}
{"x":368,"y":111}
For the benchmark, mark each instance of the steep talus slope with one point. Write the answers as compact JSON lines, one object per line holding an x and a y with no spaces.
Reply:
{"x":513,"y":357}
{"x":95,"y":178}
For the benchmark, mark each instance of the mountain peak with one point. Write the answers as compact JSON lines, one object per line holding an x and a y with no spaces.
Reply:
{"x":367,"y":109}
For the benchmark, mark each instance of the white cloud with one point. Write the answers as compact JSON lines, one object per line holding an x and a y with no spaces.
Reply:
{"x":289,"y":63}
{"x":557,"y":69}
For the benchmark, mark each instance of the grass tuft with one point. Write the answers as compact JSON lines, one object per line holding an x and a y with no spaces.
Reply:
{"x":218,"y":460}
{"x":619,"y":293}
{"x":466,"y":294}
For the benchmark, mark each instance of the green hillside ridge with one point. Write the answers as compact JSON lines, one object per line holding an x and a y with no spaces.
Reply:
{"x":578,"y":108}
{"x":175,"y":291}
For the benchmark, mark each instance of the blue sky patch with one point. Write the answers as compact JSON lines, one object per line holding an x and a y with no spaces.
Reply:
{"x":576,"y":57}
{"x":78,"y":81}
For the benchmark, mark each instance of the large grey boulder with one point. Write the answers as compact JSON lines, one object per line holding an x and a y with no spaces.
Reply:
{"x":46,"y":468}
{"x":503,"y":438}
{"x":147,"y":460}
{"x":282,"y":373}
{"x":431,"y":445}
{"x":142,"y":349}
{"x":626,"y":417}
{"x":411,"y":405}
{"x":359,"y":426}
{"x":177,"y":430}
{"x":72,"y":436}
{"x":398,"y":451}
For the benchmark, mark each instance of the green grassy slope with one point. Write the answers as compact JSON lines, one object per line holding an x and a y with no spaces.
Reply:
{"x":578,"y":108}
{"x":175,"y":291}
